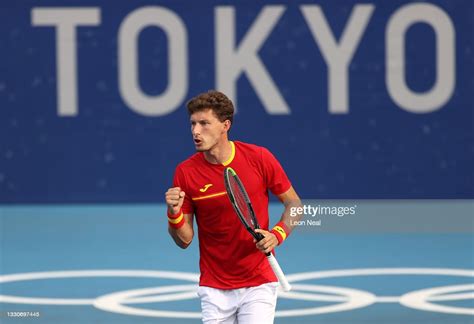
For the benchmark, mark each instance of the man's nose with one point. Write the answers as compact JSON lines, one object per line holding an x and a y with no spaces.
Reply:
{"x":195,"y":129}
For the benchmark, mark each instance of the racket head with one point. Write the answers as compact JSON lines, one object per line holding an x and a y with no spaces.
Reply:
{"x":241,"y":202}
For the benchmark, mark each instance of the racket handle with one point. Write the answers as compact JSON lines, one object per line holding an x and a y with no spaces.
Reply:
{"x":258,"y":236}
{"x":285,"y":285}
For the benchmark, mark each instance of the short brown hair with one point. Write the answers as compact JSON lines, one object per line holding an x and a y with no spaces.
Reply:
{"x":218,"y":102}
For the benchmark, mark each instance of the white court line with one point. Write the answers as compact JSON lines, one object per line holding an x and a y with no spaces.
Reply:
{"x":345,"y":299}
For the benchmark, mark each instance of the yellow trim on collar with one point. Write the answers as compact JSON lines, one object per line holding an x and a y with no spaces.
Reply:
{"x":232,"y":155}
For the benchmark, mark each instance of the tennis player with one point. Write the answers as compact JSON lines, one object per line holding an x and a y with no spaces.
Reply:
{"x":237,"y":284}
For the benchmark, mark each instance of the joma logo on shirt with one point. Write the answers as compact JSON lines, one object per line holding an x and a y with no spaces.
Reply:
{"x":204,"y":189}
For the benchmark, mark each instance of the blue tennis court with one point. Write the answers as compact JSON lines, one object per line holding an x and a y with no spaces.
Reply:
{"x":117,"y":264}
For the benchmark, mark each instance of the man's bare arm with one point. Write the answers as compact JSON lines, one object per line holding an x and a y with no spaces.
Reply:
{"x":180,"y":226}
{"x":183,"y":236}
{"x":290,"y":200}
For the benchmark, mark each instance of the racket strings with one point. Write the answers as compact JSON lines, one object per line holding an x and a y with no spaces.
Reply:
{"x":241,"y":201}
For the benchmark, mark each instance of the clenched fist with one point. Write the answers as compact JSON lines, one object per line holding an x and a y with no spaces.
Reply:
{"x":174,"y":199}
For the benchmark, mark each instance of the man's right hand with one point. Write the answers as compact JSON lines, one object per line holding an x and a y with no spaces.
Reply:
{"x":174,"y":199}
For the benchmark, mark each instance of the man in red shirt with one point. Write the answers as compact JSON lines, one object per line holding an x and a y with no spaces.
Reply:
{"x":237,"y":283}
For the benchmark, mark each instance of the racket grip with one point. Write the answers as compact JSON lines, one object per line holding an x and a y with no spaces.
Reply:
{"x":258,"y":236}
{"x":285,"y":285}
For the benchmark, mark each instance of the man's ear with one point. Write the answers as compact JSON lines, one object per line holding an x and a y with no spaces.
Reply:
{"x":227,"y":125}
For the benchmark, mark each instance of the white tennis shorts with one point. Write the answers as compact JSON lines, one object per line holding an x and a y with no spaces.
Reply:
{"x":253,"y":305}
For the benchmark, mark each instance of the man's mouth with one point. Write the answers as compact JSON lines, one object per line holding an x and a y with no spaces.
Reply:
{"x":197,"y":141}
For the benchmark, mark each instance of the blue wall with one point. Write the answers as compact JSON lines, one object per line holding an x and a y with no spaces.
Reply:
{"x":108,"y":146}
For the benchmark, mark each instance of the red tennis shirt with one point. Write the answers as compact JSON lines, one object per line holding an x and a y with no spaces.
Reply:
{"x":228,"y":256}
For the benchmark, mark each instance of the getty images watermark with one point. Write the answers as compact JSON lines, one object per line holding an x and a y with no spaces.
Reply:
{"x":315,"y":211}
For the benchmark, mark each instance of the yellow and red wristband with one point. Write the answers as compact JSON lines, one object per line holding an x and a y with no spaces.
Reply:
{"x":176,"y":220}
{"x":281,"y":232}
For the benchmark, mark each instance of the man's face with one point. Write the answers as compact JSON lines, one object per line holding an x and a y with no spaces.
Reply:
{"x":207,"y":129}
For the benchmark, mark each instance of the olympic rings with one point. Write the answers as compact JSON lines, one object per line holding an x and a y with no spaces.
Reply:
{"x":344,"y":298}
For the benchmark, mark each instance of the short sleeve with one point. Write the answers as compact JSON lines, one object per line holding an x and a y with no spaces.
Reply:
{"x":275,"y":177}
{"x":179,"y":180}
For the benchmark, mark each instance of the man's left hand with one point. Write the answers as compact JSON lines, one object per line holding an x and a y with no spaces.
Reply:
{"x":268,"y":243}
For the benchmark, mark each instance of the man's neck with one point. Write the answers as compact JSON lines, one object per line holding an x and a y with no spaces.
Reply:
{"x":219,"y":153}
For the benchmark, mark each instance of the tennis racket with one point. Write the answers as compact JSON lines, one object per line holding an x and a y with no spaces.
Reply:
{"x":243,"y":208}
